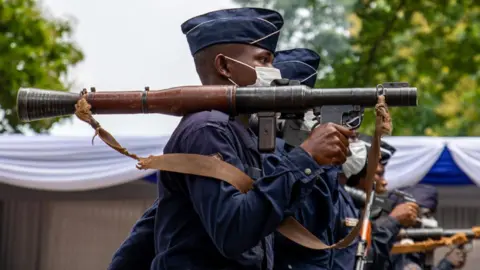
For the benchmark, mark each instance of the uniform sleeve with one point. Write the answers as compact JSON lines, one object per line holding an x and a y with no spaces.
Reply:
{"x":384,"y":233}
{"x":236,"y":221}
{"x":138,"y":250}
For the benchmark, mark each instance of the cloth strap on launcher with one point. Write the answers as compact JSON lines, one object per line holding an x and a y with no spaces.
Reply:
{"x":212,"y":167}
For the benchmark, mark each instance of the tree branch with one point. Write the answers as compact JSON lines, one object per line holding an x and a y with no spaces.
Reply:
{"x":378,"y":41}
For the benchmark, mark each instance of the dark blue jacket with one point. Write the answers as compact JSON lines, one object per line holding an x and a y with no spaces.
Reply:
{"x":384,"y":232}
{"x":291,"y":182}
{"x":204,"y":223}
{"x":316,"y":213}
{"x":347,"y":218}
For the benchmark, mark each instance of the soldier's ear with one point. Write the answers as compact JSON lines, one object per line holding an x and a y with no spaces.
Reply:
{"x":223,"y":66}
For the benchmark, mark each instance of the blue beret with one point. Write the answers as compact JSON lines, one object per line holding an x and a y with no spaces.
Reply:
{"x":425,"y":195}
{"x":386,"y":150}
{"x":298,"y":64}
{"x":254,"y":26}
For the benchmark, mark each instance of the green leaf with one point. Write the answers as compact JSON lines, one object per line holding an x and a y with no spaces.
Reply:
{"x":433,"y":45}
{"x":36,"y":51}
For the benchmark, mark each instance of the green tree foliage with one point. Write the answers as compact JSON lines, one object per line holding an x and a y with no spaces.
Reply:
{"x":321,"y":26}
{"x":36,"y":51}
{"x":433,"y":45}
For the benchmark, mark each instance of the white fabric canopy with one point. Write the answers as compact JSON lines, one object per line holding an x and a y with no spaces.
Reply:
{"x":73,"y":164}
{"x":412,"y":160}
{"x":466,"y":153}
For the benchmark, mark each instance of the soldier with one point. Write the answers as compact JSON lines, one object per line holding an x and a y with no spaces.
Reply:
{"x":316,"y":213}
{"x":427,"y":198}
{"x":302,"y":65}
{"x":385,"y":228}
{"x":203,"y":223}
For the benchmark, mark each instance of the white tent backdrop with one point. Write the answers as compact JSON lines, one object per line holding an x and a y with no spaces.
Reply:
{"x":73,"y":163}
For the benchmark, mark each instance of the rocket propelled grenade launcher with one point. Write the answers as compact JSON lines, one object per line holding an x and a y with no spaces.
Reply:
{"x":437,"y":233}
{"x":36,"y":104}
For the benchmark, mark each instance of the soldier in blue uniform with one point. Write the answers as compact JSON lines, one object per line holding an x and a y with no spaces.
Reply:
{"x":204,"y":223}
{"x":385,"y":228}
{"x":427,"y":198}
{"x":302,"y":65}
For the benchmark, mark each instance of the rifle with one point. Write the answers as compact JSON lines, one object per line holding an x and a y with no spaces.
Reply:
{"x":359,"y":197}
{"x":35,"y":104}
{"x":437,"y":233}
{"x":429,"y":239}
{"x":365,"y":233}
{"x":382,"y":202}
{"x":404,"y":195}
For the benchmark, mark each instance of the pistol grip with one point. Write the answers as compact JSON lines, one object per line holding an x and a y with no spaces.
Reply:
{"x":267,"y":130}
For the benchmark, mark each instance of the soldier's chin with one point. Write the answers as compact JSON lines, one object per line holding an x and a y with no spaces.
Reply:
{"x":381,"y":191}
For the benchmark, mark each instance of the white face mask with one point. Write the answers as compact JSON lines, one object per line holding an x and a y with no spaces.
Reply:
{"x":357,"y":160}
{"x":308,"y":121}
{"x":265,"y":75}
{"x":429,"y":222}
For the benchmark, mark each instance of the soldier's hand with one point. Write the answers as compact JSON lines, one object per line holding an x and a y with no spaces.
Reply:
{"x":405,"y":213}
{"x":457,"y":257}
{"x":328,"y":144}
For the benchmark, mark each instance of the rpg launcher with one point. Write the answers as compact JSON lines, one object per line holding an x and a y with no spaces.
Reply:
{"x":289,"y":100}
{"x":290,"y":125}
{"x":437,"y":233}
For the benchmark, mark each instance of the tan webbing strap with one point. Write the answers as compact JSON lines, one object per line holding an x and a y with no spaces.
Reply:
{"x":476,"y":231}
{"x":214,"y":168}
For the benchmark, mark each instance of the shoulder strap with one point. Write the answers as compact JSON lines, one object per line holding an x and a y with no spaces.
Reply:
{"x":215,"y":168}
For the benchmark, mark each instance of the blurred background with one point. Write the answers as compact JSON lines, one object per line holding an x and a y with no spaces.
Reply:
{"x":56,"y":214}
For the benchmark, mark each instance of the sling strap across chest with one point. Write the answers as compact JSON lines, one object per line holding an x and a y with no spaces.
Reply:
{"x":212,"y":167}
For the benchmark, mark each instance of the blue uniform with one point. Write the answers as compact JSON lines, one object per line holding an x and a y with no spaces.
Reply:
{"x":317,"y":212}
{"x":384,"y":232}
{"x":384,"y":229}
{"x":199,"y":218}
{"x":347,"y":218}
{"x":426,"y":197}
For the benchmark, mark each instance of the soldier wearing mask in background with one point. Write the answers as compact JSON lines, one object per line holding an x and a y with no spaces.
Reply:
{"x":427,"y":199}
{"x":316,"y":213}
{"x":384,"y":230}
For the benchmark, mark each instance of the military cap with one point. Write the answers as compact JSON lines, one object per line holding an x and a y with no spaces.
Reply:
{"x":386,"y":150}
{"x":425,"y":195}
{"x":255,"y":26}
{"x":298,"y":64}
